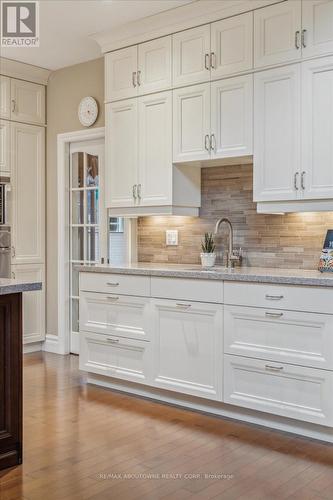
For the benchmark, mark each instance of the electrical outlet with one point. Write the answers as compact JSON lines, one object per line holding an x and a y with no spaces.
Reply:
{"x":171,"y":237}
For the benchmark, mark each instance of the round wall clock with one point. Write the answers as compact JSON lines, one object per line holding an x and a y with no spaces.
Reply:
{"x":88,"y":111}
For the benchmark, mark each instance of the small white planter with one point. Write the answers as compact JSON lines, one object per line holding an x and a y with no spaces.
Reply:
{"x":208,"y":259}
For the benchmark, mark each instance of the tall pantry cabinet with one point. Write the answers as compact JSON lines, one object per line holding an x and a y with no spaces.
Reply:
{"x":22,"y":114}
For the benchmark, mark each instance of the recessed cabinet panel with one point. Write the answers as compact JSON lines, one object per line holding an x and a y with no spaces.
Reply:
{"x":191,"y":56}
{"x":232,"y":45}
{"x":121,"y":74}
{"x":232,"y":116}
{"x":277,"y":134}
{"x":277,"y":33}
{"x":154,"y":66}
{"x":28,"y":102}
{"x":4,"y":97}
{"x":317,"y":128}
{"x":4,"y":148}
{"x":317,"y":20}
{"x":191,"y":123}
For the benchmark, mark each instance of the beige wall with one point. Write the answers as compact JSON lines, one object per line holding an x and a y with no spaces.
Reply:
{"x":65,"y":89}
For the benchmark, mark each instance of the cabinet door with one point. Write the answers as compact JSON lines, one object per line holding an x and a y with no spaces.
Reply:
{"x":154,"y":67}
{"x":232,"y":45}
{"x":277,"y":134}
{"x":121,"y":74}
{"x":232,"y":116}
{"x":277,"y":33}
{"x":188,"y":347}
{"x":317,"y":21}
{"x":191,"y":123}
{"x":33,"y":303}
{"x":155,"y":149}
{"x":28,"y":193}
{"x":191,"y":51}
{"x":4,"y":97}
{"x":28,"y":102}
{"x":317,"y":128}
{"x":4,"y":148}
{"x":121,"y":153}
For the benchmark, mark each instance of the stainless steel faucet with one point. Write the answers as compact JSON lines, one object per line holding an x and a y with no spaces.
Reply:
{"x":232,"y":257}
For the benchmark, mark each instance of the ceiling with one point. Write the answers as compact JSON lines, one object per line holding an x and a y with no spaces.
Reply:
{"x":65,"y":26}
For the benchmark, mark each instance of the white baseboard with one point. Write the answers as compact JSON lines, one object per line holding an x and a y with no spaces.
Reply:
{"x":34,"y":347}
{"x":51,"y":344}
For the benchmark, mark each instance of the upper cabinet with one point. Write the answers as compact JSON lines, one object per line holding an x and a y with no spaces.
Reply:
{"x":317,"y":33}
{"x":4,"y":148}
{"x":4,"y":97}
{"x":277,"y":33}
{"x":121,"y":74}
{"x":28,"y":102}
{"x":232,"y":45}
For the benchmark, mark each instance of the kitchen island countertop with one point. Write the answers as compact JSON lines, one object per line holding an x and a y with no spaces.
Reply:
{"x":8,"y":286}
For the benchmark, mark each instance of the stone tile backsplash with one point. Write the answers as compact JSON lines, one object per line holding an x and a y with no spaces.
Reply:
{"x":285,"y":241}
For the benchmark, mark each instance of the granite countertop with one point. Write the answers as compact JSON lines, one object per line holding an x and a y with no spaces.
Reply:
{"x":247,"y":274}
{"x":8,"y":286}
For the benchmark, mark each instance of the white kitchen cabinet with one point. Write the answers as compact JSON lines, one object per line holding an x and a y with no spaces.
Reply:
{"x":232,"y":117}
{"x":28,"y":193}
{"x":121,"y":74}
{"x":232,"y":45}
{"x":155,"y":149}
{"x":33,"y":302}
{"x":4,"y":148}
{"x":191,"y":123}
{"x":277,"y":33}
{"x":188,"y":347}
{"x":290,"y":391}
{"x":121,"y":138}
{"x":154,"y":66}
{"x":28,"y":102}
{"x":277,"y":134}
{"x":191,"y":56}
{"x":317,"y":33}
{"x":4,"y":97}
{"x":317,"y":128}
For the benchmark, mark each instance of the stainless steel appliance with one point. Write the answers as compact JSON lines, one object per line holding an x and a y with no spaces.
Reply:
{"x":5,"y":252}
{"x":4,"y":190}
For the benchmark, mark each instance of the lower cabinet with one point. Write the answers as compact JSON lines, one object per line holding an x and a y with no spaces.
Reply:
{"x":33,"y":302}
{"x":188,"y":347}
{"x":278,"y":388}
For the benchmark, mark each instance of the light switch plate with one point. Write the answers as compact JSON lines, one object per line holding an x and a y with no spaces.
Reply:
{"x":171,"y":237}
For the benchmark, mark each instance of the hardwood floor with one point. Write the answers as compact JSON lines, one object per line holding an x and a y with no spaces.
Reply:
{"x":80,"y":442}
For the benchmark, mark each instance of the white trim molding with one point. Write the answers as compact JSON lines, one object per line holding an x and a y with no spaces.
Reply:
{"x":23,"y":71}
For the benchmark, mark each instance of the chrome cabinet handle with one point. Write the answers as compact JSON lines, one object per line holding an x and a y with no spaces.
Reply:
{"x":274,"y":368}
{"x":297,"y":45}
{"x":13,"y":105}
{"x":302,"y":180}
{"x":303,"y":38}
{"x":112,"y":298}
{"x":134,"y":191}
{"x":112,"y":284}
{"x":139,"y":191}
{"x":296,"y":181}
{"x":274,"y":297}
{"x":113,"y":341}
{"x":13,"y":275}
{"x":13,"y":252}
{"x":207,"y":143}
{"x":273,"y":315}
{"x":213,"y":143}
{"x":213,"y":60}
{"x":184,"y":306}
{"x":207,"y":63}
{"x":134,"y":78}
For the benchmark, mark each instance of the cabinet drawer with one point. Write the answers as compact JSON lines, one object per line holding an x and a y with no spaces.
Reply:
{"x":286,"y":390}
{"x":292,"y":337}
{"x":187,"y":289}
{"x":117,"y":357}
{"x":115,"y":283}
{"x":293,"y":297}
{"x":120,"y":315}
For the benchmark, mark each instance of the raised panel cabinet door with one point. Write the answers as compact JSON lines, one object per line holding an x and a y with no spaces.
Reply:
{"x":317,"y":128}
{"x":277,"y":34}
{"x":279,"y":388}
{"x":277,"y":134}
{"x":154,"y":66}
{"x":232,"y":117}
{"x":191,"y":56}
{"x":33,"y":302}
{"x":28,"y":193}
{"x":232,"y":45}
{"x":28,"y":102}
{"x":317,"y":33}
{"x":191,"y":123}
{"x":155,"y":149}
{"x":188,"y":347}
{"x":4,"y":97}
{"x":121,"y":141}
{"x":121,"y":68}
{"x":4,"y":148}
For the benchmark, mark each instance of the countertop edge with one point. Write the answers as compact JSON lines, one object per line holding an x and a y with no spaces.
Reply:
{"x":20,"y":288}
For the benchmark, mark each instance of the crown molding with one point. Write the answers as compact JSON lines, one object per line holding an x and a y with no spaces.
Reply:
{"x":23,"y":71}
{"x":174,"y":20}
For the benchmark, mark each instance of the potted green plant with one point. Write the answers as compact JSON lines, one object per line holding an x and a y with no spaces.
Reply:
{"x":208,"y":255}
